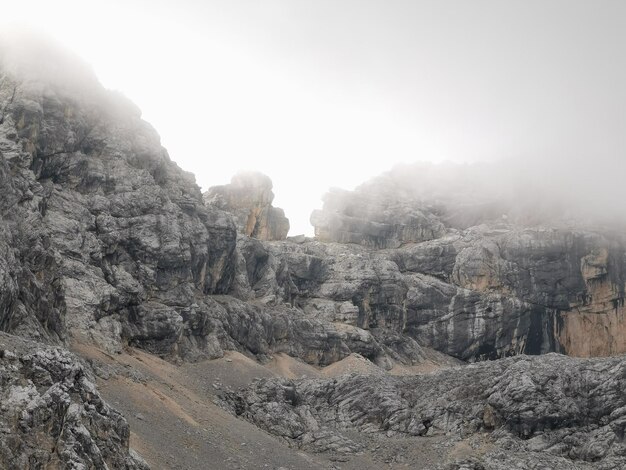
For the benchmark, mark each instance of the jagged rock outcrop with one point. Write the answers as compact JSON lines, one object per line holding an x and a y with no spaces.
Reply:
{"x":482,"y":293}
{"x":102,"y":234}
{"x":535,"y":412}
{"x":105,"y":239}
{"x":52,"y":416}
{"x":541,"y":274}
{"x":249,"y":198}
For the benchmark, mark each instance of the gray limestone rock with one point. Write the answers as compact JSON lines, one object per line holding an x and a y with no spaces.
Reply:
{"x":52,"y":416}
{"x":373,"y":219}
{"x":103,"y":236}
{"x":482,"y":286}
{"x":549,"y":411}
{"x":104,"y":239}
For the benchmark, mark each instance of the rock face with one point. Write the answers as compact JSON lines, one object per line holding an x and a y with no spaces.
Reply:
{"x":249,"y":198}
{"x":479,"y":284}
{"x":531,"y":412}
{"x":52,"y":415}
{"x":483,"y":293}
{"x":104,"y":239}
{"x":102,"y":234}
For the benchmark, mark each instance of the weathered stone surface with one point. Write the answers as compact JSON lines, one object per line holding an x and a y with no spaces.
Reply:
{"x":481,"y":285}
{"x":481,"y":293}
{"x":52,"y":416}
{"x":102,"y":234}
{"x":249,"y":198}
{"x":550,"y":410}
{"x":540,"y":282}
{"x":103,"y":237}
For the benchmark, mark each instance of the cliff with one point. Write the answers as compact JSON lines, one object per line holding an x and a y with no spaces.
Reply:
{"x":487,"y":279}
{"x":105,"y":241}
{"x":52,"y":414}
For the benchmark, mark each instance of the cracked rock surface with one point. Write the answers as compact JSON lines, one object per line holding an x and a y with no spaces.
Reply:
{"x":104,"y":240}
{"x":534,"y":412}
{"x":249,"y":198}
{"x":52,"y":416}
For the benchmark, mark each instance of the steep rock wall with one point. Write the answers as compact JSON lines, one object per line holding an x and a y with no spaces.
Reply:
{"x":104,"y":236}
{"x":492,"y":289}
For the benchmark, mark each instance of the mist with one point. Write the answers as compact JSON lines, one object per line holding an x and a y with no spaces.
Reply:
{"x":318,"y":95}
{"x":38,"y":58}
{"x":553,"y":192}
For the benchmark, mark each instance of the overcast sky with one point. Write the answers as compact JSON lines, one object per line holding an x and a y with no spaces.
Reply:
{"x":324,"y":93}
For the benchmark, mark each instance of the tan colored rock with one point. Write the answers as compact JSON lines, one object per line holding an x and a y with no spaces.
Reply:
{"x":593,"y":334}
{"x":249,"y":198}
{"x":596,"y":325}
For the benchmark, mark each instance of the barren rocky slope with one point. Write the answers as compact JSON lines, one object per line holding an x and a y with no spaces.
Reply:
{"x":105,"y":241}
{"x":534,"y":412}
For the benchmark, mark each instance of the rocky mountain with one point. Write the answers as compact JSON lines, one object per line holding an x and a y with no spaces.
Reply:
{"x":106,"y":242}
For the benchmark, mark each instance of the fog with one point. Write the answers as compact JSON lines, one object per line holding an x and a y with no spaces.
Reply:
{"x":323,"y":93}
{"x":557,"y":193}
{"x":38,"y":57}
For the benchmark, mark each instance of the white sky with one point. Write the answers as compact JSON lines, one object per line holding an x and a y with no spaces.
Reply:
{"x":321,"y":93}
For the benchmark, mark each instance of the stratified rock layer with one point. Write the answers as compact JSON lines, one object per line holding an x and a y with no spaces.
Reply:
{"x":249,"y":198}
{"x":484,"y":279}
{"x":105,"y":239}
{"x":102,"y":236}
{"x":486,"y":292}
